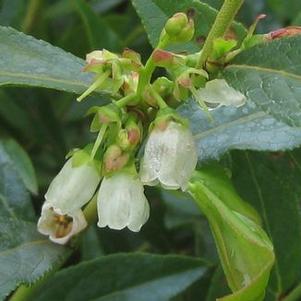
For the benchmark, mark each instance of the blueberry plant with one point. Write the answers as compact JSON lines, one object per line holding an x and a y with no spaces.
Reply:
{"x":170,"y":154}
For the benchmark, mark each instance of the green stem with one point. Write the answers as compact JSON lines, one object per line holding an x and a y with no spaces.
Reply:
{"x":125,"y":100}
{"x":31,"y":14}
{"x":95,"y":85}
{"x":99,"y":138}
{"x":147,"y":71}
{"x":90,"y":211}
{"x":294,"y":295}
{"x":220,"y":26}
{"x":160,"y":101}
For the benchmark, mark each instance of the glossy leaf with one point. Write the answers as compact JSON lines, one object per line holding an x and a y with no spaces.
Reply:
{"x":245,"y":250}
{"x":154,"y":14}
{"x":270,"y":75}
{"x":126,"y":277}
{"x":22,"y":164}
{"x":27,"y":61}
{"x":271,"y":182}
{"x":14,"y":197}
{"x":99,"y":33}
{"x":25,"y":255}
{"x":238,"y":128}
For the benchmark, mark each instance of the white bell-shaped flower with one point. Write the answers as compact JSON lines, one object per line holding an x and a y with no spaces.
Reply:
{"x":73,"y":187}
{"x":218,"y":92}
{"x":60,"y":227}
{"x":121,"y":202}
{"x":170,"y":157}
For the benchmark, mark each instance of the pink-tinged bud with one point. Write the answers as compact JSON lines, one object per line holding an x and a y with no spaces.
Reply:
{"x":284,"y":32}
{"x":132,"y":55}
{"x":114,"y":158}
{"x":162,"y":58}
{"x":134,"y":136}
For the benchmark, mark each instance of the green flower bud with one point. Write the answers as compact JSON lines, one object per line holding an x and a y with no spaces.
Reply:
{"x":187,"y":32}
{"x":175,"y":24}
{"x":163,"y":86}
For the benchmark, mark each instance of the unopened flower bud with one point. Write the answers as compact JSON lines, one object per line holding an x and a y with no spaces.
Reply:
{"x":179,"y":28}
{"x":284,"y":32}
{"x":175,"y":24}
{"x":114,"y":158}
{"x":163,"y":86}
{"x":187,"y":32}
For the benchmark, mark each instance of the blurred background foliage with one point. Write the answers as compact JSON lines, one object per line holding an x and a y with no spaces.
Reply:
{"x":48,"y":124}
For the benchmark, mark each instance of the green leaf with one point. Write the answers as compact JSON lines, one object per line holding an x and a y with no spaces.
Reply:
{"x":270,"y":75}
{"x":99,"y":33}
{"x":126,"y":277}
{"x":14,"y":197}
{"x":30,"y":62}
{"x":154,"y":14}
{"x":280,"y":8}
{"x":25,"y":255}
{"x":244,"y":248}
{"x":271,"y":182}
{"x":238,"y":128}
{"x":22,"y":164}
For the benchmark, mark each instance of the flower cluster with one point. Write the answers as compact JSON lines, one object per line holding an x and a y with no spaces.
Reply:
{"x":142,"y":119}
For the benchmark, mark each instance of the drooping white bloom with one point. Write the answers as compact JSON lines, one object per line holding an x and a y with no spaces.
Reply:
{"x":60,"y":227}
{"x":218,"y":91}
{"x":73,"y":187}
{"x":170,"y":157}
{"x":121,"y":202}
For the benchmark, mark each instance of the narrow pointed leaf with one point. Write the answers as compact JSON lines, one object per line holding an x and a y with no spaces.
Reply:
{"x":27,"y":61}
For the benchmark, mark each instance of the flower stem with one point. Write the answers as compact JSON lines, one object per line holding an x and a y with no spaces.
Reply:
{"x":94,"y":86}
{"x":294,"y":295}
{"x":99,"y":138}
{"x":220,"y":26}
{"x":90,"y":211}
{"x":160,"y":101}
{"x":125,"y":100}
{"x":147,"y":71}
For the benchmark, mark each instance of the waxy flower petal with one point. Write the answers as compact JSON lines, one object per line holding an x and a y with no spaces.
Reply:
{"x":121,"y":202}
{"x":218,"y":91}
{"x":60,"y":227}
{"x":170,"y":157}
{"x":73,"y":187}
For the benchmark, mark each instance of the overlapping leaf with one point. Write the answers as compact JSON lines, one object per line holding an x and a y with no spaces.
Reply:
{"x":31,"y":62}
{"x":270,"y":75}
{"x":271,"y":183}
{"x":238,"y":128}
{"x":25,"y":255}
{"x":127,"y":277}
{"x":245,"y":251}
